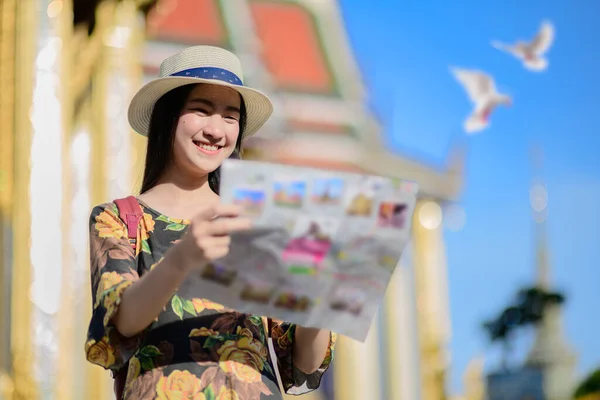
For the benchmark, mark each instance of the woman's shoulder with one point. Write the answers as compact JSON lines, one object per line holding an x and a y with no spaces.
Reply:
{"x":108,"y":207}
{"x":106,"y":210}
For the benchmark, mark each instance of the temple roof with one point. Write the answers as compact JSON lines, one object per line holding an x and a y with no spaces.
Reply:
{"x":292,"y":49}
{"x":188,"y":22}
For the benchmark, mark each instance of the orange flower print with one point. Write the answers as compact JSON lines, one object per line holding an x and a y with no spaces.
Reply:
{"x":146,"y":226}
{"x":110,"y":298}
{"x":179,"y":385}
{"x":244,"y":332}
{"x":143,"y":233}
{"x":202,"y":304}
{"x":100,"y":353}
{"x":203,"y":331}
{"x":108,"y":225}
{"x":111,"y":301}
{"x":243,"y":372}
{"x":108,"y":280}
{"x":243,"y":358}
{"x":227,"y":394}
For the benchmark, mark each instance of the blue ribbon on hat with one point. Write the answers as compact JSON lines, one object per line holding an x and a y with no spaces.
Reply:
{"x":215,"y":73}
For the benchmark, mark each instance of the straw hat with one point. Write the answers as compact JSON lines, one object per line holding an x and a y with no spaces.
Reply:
{"x":199,"y":64}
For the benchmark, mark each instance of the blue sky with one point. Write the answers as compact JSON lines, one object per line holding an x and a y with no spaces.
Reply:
{"x":404,"y":49}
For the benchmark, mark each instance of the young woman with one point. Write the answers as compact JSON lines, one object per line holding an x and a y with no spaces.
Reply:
{"x":149,"y":317}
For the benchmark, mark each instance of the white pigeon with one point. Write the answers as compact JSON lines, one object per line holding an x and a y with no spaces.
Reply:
{"x":481,"y":89}
{"x":531,"y":53}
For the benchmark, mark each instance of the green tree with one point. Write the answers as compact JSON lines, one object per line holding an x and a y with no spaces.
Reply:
{"x":590,"y":385}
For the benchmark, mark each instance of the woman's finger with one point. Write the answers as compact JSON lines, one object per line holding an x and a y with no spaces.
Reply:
{"x":224,"y":226}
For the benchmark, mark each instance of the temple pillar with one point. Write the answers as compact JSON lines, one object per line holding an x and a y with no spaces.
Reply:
{"x":433,"y":322}
{"x":135,"y":72}
{"x":357,"y":371}
{"x":22,"y":358}
{"x":399,"y":344}
{"x":8,"y":21}
{"x":96,"y":378}
{"x":118,"y":75}
{"x":115,"y":166}
{"x":67,"y":355}
{"x":49,"y":118}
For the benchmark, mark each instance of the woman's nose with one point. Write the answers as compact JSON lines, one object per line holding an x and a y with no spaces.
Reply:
{"x":214,"y":127}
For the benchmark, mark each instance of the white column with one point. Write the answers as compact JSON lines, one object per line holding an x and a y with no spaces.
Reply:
{"x":400,"y":348}
{"x":80,"y":164}
{"x":432,"y":297}
{"x":357,"y":368}
{"x":46,"y":191}
{"x":118,"y":75}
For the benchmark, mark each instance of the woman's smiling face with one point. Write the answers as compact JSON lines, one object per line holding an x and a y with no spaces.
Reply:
{"x":207,"y":130}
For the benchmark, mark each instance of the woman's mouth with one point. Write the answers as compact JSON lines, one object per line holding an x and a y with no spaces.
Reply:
{"x":207,"y":148}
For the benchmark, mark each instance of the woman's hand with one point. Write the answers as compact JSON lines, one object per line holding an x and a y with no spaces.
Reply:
{"x":208,"y":236}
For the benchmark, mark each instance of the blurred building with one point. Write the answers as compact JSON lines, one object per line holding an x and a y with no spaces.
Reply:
{"x":68,"y":69}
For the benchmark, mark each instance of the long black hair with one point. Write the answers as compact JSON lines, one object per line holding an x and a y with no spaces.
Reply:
{"x":161,"y":137}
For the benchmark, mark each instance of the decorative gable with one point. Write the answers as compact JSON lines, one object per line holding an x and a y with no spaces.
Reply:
{"x":190,"y":22}
{"x":292,"y":48}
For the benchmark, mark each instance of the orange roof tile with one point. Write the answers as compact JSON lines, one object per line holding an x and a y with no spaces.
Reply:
{"x":291,"y":48}
{"x":321,"y":127}
{"x":188,"y":21}
{"x":320,"y":163}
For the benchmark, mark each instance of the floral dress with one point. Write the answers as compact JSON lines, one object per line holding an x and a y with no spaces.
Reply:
{"x":195,"y":349}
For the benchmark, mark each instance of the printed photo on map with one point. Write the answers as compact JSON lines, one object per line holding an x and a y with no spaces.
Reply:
{"x":252,"y":199}
{"x":392,"y":215}
{"x":348,"y":299}
{"x":289,"y":192}
{"x":327,"y":191}
{"x":293,"y":302}
{"x":257,"y":291}
{"x":311,"y":241}
{"x":360,"y":197}
{"x":357,"y":252}
{"x":219,"y":274}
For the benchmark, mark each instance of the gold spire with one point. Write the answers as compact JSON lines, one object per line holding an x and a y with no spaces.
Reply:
{"x":550,"y":351}
{"x":538,"y":196}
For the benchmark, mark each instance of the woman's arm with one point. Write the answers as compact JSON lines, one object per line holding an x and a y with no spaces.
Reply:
{"x":310,"y":347}
{"x":206,"y":240}
{"x":145,"y":299}
{"x":303,"y":355}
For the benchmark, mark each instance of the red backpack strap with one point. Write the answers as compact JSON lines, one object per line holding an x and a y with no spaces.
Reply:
{"x":131,"y":213}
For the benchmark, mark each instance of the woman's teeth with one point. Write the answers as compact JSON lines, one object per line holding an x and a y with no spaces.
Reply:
{"x":208,"y":147}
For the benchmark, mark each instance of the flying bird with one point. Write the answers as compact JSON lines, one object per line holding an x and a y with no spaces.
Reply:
{"x":531,"y":53}
{"x":481,"y":89}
